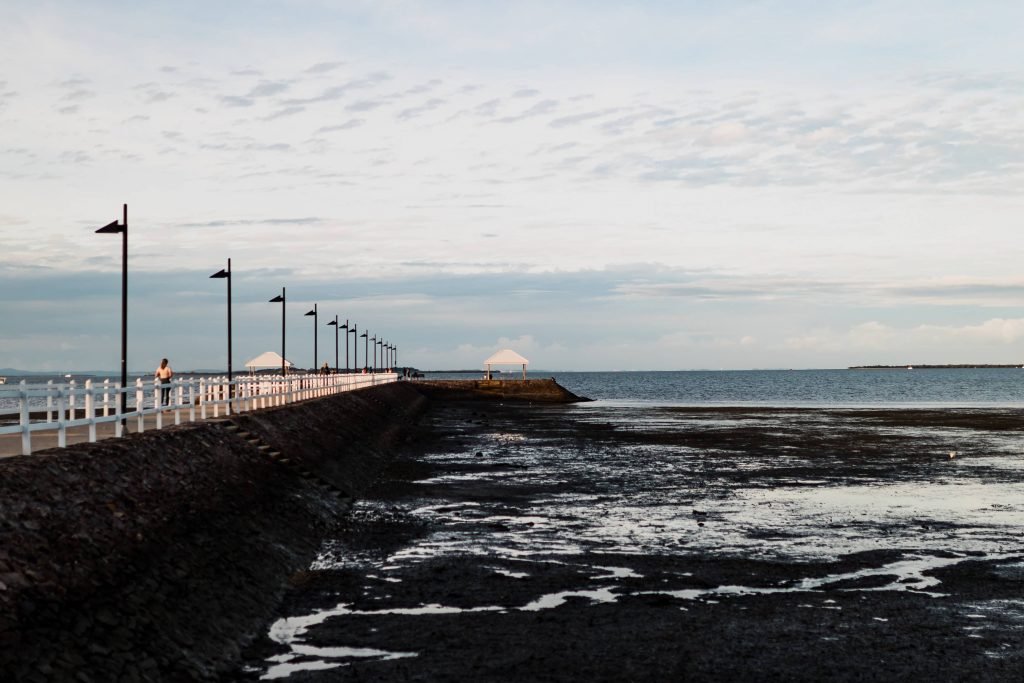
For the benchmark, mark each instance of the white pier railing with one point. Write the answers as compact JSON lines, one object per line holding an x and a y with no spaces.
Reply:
{"x":26,"y":409}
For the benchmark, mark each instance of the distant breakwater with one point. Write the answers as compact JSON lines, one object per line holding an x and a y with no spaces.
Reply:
{"x":535,"y":390}
{"x":157,"y":556}
{"x":929,"y":367}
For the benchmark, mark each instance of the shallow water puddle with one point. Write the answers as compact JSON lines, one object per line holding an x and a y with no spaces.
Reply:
{"x":289,"y":632}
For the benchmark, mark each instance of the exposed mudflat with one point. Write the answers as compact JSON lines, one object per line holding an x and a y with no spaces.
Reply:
{"x":595,"y":542}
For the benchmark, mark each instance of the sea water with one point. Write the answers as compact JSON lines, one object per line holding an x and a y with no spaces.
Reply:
{"x":945,"y":387}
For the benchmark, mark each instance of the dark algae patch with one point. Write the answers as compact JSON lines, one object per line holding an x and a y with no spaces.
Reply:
{"x":512,"y":542}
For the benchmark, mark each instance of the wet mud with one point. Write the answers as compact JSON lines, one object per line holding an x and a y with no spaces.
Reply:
{"x":605,"y":543}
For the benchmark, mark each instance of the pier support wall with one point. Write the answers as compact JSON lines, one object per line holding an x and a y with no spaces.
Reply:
{"x":155,"y":557}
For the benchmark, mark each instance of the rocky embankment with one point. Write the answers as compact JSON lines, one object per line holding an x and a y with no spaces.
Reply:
{"x":157,"y":556}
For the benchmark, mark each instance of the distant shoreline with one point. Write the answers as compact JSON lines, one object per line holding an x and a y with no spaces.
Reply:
{"x":929,"y":367}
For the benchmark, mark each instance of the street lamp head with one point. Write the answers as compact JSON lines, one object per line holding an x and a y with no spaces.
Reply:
{"x":311,"y":313}
{"x":343,"y":326}
{"x":362,"y":335}
{"x":332,"y":323}
{"x":220,"y":274}
{"x":112,"y":227}
{"x":277,"y":299}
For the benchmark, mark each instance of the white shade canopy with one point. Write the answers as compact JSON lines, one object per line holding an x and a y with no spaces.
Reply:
{"x":506,"y":357}
{"x":268,"y":359}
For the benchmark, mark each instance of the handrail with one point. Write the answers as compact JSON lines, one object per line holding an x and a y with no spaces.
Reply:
{"x":56,"y":407}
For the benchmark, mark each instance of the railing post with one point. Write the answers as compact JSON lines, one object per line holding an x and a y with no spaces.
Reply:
{"x":158,"y":403}
{"x":202,"y":398}
{"x":23,"y":418}
{"x":90,"y":410}
{"x":49,"y":400}
{"x":118,"y":427}
{"x":140,"y":404}
{"x":106,"y":397}
{"x":179,"y":392}
{"x":71,"y":399}
{"x":62,"y":432}
{"x":191,"y":399}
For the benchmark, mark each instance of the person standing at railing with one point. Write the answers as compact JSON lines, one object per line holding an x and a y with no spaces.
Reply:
{"x":163,"y":375}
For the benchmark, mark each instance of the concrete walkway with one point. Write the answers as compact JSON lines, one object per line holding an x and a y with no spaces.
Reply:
{"x":10,"y":444}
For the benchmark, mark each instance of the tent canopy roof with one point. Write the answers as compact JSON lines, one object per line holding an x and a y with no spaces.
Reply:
{"x":268,"y":359}
{"x":506,"y":357}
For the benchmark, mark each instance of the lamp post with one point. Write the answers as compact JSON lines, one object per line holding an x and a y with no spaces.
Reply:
{"x":226,"y":275}
{"x":355,"y":346}
{"x":383,"y":365}
{"x":112,"y":228}
{"x":374,"y":340}
{"x":316,"y":333}
{"x":283,"y":301}
{"x":366,"y":350}
{"x":345,"y":327}
{"x":336,"y":326}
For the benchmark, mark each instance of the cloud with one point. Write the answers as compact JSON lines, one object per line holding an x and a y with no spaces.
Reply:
{"x":541,"y":108}
{"x":267,"y":89}
{"x":577,"y":119}
{"x":348,"y":125}
{"x":225,"y":222}
{"x":959,"y":343}
{"x":78,"y":95}
{"x":155,"y":96}
{"x":281,"y":113}
{"x":725,"y":134}
{"x":237,"y":101}
{"x":365,"y":105}
{"x":324,"y":67}
{"x":337,"y":92}
{"x":413,"y":112}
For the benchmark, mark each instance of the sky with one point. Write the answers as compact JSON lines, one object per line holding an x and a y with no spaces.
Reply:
{"x":597,"y":185}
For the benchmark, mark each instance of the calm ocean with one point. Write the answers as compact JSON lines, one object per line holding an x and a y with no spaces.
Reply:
{"x":918,"y":387}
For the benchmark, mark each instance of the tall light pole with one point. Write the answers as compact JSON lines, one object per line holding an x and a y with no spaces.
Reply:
{"x":316,"y":333}
{"x":112,"y":228}
{"x":355,"y":346}
{"x":283,"y":301}
{"x":380,"y":343}
{"x":345,"y":327}
{"x":374,"y":340}
{"x":366,"y":350}
{"x":336,"y":326}
{"x":226,"y":275}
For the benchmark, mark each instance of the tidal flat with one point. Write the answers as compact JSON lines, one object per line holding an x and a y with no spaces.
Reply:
{"x":513,"y":542}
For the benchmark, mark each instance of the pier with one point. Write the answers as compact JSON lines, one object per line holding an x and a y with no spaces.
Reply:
{"x":58,"y":415}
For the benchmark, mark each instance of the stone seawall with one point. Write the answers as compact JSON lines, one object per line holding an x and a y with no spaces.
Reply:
{"x":157,"y":556}
{"x":536,"y":390}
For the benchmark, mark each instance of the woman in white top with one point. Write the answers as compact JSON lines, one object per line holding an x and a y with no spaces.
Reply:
{"x":163,"y":375}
